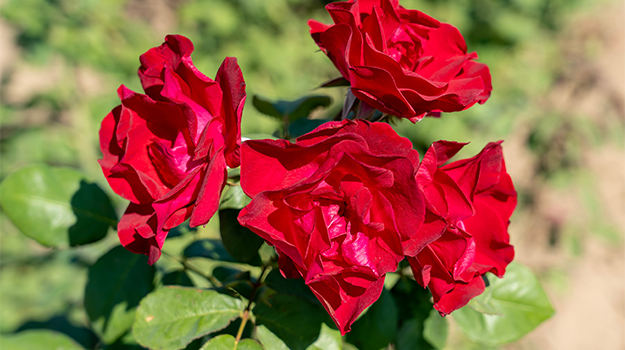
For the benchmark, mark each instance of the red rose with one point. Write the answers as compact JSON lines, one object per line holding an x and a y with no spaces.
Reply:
{"x":338,"y":205}
{"x":167,"y":151}
{"x":470,"y":202}
{"x":400,"y":61}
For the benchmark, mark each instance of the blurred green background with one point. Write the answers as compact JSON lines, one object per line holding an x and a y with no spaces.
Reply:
{"x":558,"y":102}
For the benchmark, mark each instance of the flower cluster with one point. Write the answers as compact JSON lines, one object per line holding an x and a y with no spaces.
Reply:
{"x":345,"y":203}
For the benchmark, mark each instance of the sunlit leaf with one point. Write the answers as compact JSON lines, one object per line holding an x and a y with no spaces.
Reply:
{"x":171,"y":317}
{"x":226,"y":342}
{"x":435,"y":329}
{"x":522,"y":302}
{"x":233,"y":198}
{"x":38,"y":339}
{"x":57,"y":207}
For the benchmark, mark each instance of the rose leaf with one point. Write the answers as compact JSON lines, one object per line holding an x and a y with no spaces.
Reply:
{"x":519,"y":299}
{"x":117,"y":283}
{"x":57,"y":207}
{"x":171,"y":317}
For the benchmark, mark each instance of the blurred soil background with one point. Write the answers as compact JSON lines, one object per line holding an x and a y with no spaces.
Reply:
{"x":558,"y":70}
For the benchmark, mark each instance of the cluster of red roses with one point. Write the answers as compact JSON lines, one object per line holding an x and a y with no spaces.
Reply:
{"x":345,"y":203}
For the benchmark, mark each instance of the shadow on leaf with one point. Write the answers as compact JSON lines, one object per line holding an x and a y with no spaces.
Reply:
{"x":94,"y":214}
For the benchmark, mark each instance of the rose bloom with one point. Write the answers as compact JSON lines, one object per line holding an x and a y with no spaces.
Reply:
{"x":401,"y":62}
{"x":469,"y":202}
{"x":167,"y":151}
{"x":338,"y":205}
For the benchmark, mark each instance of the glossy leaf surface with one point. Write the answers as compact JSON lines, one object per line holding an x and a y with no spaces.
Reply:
{"x":522,"y":302}
{"x":57,"y":207}
{"x":171,"y":317}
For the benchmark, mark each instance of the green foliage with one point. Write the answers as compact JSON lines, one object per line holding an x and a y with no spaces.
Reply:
{"x":413,"y":313}
{"x":239,"y":241}
{"x":377,"y":327}
{"x":177,"y":278}
{"x":208,"y":248}
{"x":435,"y":329}
{"x":227,"y":342}
{"x":521,"y":302}
{"x":291,"y":110}
{"x":304,"y":125}
{"x":57,"y":207}
{"x":295,"y":287}
{"x":329,"y":339}
{"x":38,"y":339}
{"x":171,"y":317}
{"x":233,"y":198}
{"x":117,"y":283}
{"x":293,"y":320}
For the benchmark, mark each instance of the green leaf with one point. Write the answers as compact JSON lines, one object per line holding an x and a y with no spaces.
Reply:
{"x":38,"y":339}
{"x":117,"y":283}
{"x":483,"y":303}
{"x":304,"y":126}
{"x":57,"y":207}
{"x":378,"y":326}
{"x":240,"y":242}
{"x":238,"y":280}
{"x":329,"y":339}
{"x":259,"y":137}
{"x":410,"y":335}
{"x":233,"y":198}
{"x":208,"y":248}
{"x":269,"y":340}
{"x":293,"y":320}
{"x":292,"y":286}
{"x":340,"y":81}
{"x":171,"y":317}
{"x":226,"y":342}
{"x":415,"y":308}
{"x":126,"y":342}
{"x":520,"y":299}
{"x":292,"y":109}
{"x":177,"y":278}
{"x":435,"y":329}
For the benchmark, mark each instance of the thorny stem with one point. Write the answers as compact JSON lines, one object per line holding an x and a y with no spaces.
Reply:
{"x":190,"y":267}
{"x":246,"y":314}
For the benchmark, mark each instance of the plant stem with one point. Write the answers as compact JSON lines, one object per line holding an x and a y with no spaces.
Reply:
{"x":244,"y":318}
{"x":246,"y":314}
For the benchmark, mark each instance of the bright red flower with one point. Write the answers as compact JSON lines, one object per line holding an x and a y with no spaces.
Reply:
{"x":167,"y":151}
{"x":400,"y":61}
{"x":469,"y":202}
{"x":338,"y":205}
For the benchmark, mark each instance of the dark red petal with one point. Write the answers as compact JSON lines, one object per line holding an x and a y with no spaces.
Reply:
{"x":232,"y":85}
{"x":460,"y":296}
{"x":212,"y":184}
{"x":351,"y":300}
{"x":138,"y":233}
